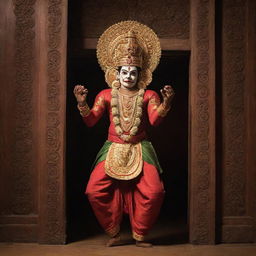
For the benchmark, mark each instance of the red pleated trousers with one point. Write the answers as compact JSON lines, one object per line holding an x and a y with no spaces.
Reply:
{"x":141,"y":198}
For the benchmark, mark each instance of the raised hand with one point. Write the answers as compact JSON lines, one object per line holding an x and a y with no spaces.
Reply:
{"x":167,"y":94}
{"x":80,"y":93}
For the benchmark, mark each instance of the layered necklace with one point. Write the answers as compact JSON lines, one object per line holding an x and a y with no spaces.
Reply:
{"x":127,"y":113}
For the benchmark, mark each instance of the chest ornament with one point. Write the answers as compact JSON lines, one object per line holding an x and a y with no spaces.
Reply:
{"x":127,"y":113}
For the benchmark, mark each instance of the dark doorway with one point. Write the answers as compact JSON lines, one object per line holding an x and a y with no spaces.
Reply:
{"x":170,"y":141}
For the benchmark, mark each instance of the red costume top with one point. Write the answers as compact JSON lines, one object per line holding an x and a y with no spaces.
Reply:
{"x":110,"y":199}
{"x":152,"y":113}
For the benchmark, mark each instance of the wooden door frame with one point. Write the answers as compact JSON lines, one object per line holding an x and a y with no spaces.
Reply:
{"x":202,"y":167}
{"x":52,"y":52}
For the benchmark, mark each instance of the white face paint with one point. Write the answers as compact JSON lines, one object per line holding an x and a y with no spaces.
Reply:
{"x":128,"y":77}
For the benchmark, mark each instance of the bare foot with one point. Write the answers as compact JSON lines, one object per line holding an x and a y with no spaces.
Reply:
{"x":143,"y":244}
{"x":114,"y":241}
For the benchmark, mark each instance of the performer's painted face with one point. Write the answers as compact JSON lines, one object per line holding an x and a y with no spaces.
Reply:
{"x":128,"y":76}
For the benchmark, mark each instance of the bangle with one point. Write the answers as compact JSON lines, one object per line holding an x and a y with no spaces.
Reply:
{"x":84,"y":110}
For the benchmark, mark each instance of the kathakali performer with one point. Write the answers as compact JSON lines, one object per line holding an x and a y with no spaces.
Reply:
{"x":125,"y":178}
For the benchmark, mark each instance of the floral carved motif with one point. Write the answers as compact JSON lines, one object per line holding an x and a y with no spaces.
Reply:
{"x":168,"y":18}
{"x":22,"y":199}
{"x":233,"y":102}
{"x":54,"y":221}
{"x":200,"y":232}
{"x":237,"y":234}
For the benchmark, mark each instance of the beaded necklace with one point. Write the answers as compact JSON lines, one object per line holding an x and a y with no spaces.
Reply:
{"x":126,"y":117}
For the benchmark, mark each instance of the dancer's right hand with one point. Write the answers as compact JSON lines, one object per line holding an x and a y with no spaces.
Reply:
{"x":80,"y":93}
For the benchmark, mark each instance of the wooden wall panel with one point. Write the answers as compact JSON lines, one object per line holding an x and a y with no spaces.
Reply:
{"x":250,"y":99}
{"x":7,"y":23}
{"x":33,"y":107}
{"x":18,"y":217}
{"x":238,"y":179}
{"x":168,"y":18}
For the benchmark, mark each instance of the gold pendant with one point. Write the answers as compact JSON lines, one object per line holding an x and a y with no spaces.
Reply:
{"x":124,"y":161}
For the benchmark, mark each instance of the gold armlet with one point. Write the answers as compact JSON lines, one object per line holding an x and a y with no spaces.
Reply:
{"x":84,"y":110}
{"x":162,"y":111}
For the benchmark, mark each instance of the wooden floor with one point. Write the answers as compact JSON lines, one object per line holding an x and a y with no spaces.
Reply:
{"x":168,"y":240}
{"x":95,"y":247}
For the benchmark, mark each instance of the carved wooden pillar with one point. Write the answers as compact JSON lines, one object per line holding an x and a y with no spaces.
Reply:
{"x":202,"y":121}
{"x":52,"y":111}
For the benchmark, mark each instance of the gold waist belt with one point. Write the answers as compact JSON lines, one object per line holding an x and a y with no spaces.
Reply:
{"x":124,"y":161}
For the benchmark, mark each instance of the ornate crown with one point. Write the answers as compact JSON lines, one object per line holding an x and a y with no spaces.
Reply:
{"x":129,"y":43}
{"x":128,"y":52}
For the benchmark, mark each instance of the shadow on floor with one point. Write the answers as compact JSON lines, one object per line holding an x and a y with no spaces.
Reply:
{"x":164,"y":232}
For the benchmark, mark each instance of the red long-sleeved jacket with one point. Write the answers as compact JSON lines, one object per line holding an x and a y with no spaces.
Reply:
{"x":150,"y":115}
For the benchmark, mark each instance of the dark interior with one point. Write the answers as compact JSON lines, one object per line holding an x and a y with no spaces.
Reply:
{"x":170,"y":140}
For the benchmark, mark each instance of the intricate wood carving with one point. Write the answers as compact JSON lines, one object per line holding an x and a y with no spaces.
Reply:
{"x":237,"y":234}
{"x":22,"y":197}
{"x":168,"y":18}
{"x":202,"y":155}
{"x":55,"y":230}
{"x":18,"y":233}
{"x":234,"y":172}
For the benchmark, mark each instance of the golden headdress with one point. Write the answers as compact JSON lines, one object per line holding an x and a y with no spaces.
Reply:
{"x":129,"y":43}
